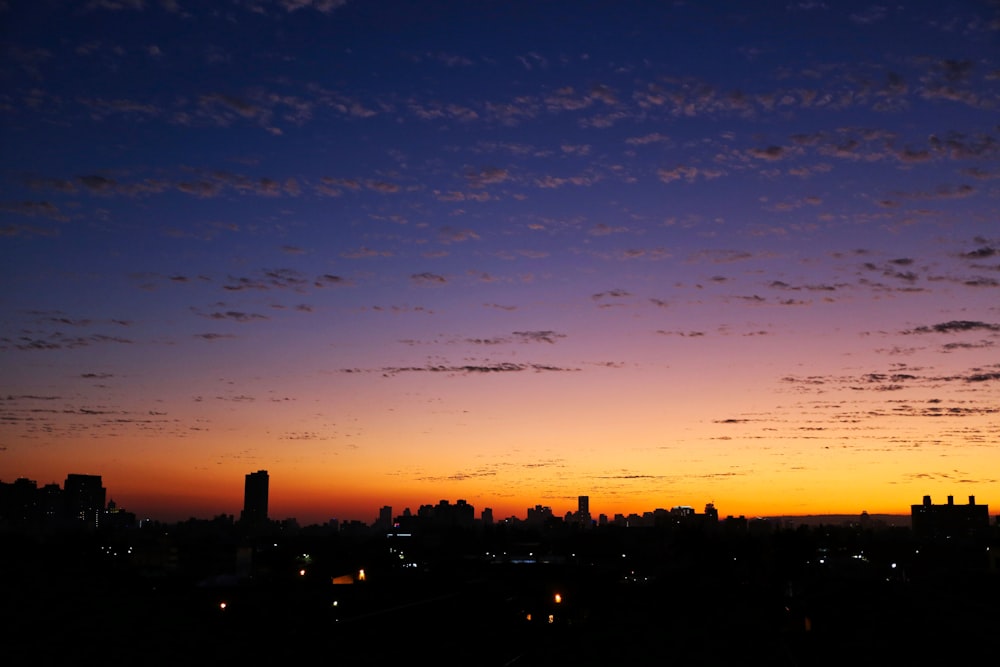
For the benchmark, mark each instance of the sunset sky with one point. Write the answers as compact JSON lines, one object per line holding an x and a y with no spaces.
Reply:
{"x":657,"y":253}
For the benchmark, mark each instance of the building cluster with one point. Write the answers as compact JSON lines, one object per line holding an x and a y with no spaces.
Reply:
{"x":462,"y":515}
{"x":79,"y":503}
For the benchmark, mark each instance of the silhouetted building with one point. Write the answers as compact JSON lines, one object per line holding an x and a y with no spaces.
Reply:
{"x":384,"y":521}
{"x":582,"y":515}
{"x":19,"y":502}
{"x":50,"y":504}
{"x":117,"y":517}
{"x":255,"y":498}
{"x":935,"y":522}
{"x":539,"y":515}
{"x":461,"y":514}
{"x":735,"y":525}
{"x":83,"y":499}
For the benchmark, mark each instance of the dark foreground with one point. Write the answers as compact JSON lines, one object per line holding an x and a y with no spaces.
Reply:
{"x":780,"y":601}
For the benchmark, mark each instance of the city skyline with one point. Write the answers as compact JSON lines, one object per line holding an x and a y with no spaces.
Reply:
{"x":510,"y":252}
{"x":84,"y":502}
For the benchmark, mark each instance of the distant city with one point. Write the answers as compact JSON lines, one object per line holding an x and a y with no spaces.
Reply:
{"x":82,"y":503}
{"x":670,"y":586}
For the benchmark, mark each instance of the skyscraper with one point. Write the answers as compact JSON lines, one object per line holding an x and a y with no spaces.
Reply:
{"x":384,"y":521}
{"x":255,"y":499}
{"x":582,"y":515}
{"x":84,"y":498}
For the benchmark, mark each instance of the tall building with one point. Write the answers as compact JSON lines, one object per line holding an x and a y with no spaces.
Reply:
{"x":582,"y":515}
{"x":950,"y":520}
{"x":255,"y":498}
{"x":384,"y":521}
{"x":83,"y":498}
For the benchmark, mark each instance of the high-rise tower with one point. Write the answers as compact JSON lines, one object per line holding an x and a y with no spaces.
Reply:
{"x":255,"y":498}
{"x":84,"y":498}
{"x":583,"y":510}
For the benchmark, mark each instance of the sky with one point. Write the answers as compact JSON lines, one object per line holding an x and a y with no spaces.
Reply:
{"x":655,"y":253}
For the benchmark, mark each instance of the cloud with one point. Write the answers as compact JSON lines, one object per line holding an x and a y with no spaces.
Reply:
{"x":630,"y":476}
{"x":948,"y":347}
{"x":568,"y":99}
{"x":683,"y":334}
{"x":550,"y":182}
{"x":58,"y":341}
{"x":116,"y":5}
{"x":334,"y":187}
{"x":487,"y":176}
{"x":870,"y":15}
{"x":382,"y":186}
{"x":983,"y":252}
{"x":954,"y":326}
{"x":452,"y":235}
{"x":820,"y":287}
{"x":539,"y":336}
{"x":721,"y":256}
{"x":427,"y":278}
{"x":364,"y":252}
{"x":328,"y":279}
{"x":471,"y":369}
{"x":942,"y":192}
{"x":688,"y":173}
{"x":652,"y":138}
{"x":281,"y":279}
{"x":323,"y":6}
{"x":33,"y":209}
{"x":771,"y":153}
{"x":223,"y":108}
{"x":234,"y":315}
{"x":239,"y":398}
{"x":617,"y":293}
{"x":499,"y":340}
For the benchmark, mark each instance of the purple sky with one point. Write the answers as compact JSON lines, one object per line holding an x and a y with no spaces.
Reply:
{"x":512,"y":252}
